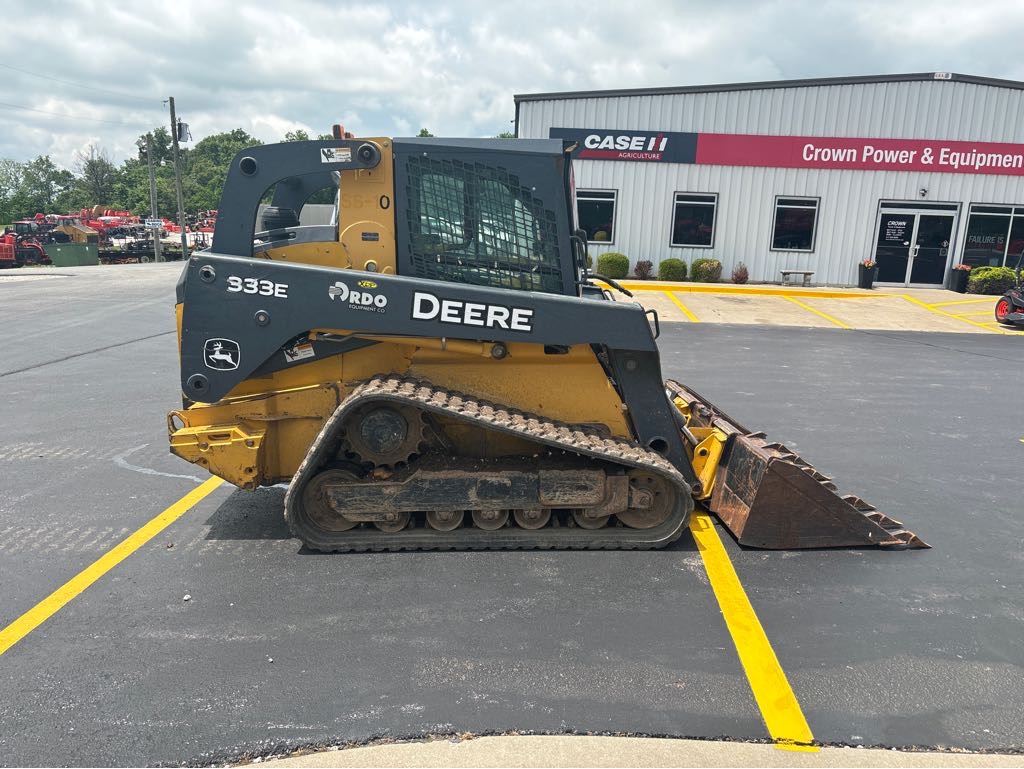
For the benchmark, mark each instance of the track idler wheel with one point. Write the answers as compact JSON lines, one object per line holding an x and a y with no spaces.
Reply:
{"x":657,"y":495}
{"x":317,"y":505}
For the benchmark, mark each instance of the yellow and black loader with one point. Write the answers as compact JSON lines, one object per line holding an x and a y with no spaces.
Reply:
{"x":436,"y":369}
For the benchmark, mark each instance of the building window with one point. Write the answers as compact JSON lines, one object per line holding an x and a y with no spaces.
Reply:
{"x":595,"y":212}
{"x":693,"y":220}
{"x":796,"y":221}
{"x":995,"y":236}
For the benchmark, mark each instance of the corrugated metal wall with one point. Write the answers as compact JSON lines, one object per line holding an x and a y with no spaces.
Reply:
{"x":952,"y":110}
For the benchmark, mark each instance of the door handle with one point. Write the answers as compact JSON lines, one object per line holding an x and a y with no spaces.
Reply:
{"x":914,"y":250}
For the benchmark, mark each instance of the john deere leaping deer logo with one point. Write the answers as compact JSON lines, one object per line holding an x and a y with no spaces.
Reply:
{"x":221,"y":354}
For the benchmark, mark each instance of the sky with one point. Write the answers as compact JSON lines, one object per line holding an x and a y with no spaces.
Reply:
{"x":84,"y":73}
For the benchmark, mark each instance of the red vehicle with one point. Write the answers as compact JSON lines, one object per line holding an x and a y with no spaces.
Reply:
{"x":6,"y":254}
{"x":25,"y":245}
{"x":1010,"y":307}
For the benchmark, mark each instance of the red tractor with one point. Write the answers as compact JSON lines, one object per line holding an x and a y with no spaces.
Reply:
{"x":22,"y":242}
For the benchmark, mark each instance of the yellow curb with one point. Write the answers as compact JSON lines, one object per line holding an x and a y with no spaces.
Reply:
{"x":716,"y":288}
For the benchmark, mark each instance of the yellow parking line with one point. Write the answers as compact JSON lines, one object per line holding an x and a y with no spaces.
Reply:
{"x":970,"y":314}
{"x":60,"y":597}
{"x":683,"y":307}
{"x":774,"y":696}
{"x":931,"y":308}
{"x":964,"y":301}
{"x":817,"y":312}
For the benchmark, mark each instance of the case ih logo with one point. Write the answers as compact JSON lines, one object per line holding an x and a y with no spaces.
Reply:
{"x":604,"y":144}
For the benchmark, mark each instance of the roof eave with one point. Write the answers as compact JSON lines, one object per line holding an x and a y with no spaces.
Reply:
{"x":944,"y":77}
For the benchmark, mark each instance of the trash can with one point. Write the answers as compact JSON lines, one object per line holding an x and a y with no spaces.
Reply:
{"x":72,"y":254}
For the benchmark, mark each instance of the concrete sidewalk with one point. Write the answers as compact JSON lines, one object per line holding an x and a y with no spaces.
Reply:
{"x":571,"y":751}
{"x":881,"y":309}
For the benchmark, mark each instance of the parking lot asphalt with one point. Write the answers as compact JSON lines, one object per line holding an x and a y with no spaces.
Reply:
{"x":278,"y":648}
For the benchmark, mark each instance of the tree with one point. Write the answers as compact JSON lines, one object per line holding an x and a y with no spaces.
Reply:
{"x":161,"y":142}
{"x":506,"y":135}
{"x":39,"y":187}
{"x":131,"y":187}
{"x":207,"y":167}
{"x":96,"y":179}
{"x":424,"y":133}
{"x":10,"y":180}
{"x":298,"y":135}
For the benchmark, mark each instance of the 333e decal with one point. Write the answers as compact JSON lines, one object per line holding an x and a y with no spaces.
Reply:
{"x":256,"y":286}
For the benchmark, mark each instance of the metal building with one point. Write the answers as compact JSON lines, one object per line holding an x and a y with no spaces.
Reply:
{"x":918,"y":172}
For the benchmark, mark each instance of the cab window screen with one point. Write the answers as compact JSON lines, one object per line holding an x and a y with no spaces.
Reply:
{"x":474,"y":223}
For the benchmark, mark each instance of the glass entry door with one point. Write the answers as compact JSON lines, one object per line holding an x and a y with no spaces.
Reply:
{"x":913,"y":246}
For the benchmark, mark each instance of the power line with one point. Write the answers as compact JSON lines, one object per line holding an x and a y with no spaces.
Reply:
{"x":4,"y":104}
{"x":78,"y":85}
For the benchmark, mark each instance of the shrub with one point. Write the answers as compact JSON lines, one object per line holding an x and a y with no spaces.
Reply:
{"x":643,"y":269}
{"x":990,"y":280}
{"x":613,"y":265}
{"x":706,"y":270}
{"x":672,"y":269}
{"x":740,"y":273}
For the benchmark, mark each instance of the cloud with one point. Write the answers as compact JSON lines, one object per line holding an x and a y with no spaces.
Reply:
{"x":391,"y":68}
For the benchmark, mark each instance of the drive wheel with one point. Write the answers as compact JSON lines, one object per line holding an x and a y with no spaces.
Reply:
{"x":490,"y":520}
{"x":532,"y":519}
{"x":585,"y":520}
{"x":385,"y":435}
{"x":1003,"y":309}
{"x":659,"y":497}
{"x":445,"y":520}
{"x":395,"y":522}
{"x":318,"y":507}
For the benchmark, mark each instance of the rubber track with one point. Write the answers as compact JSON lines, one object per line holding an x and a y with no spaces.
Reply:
{"x":430,"y":398}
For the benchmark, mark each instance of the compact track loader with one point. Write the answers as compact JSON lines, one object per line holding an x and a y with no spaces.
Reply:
{"x":435,"y":369}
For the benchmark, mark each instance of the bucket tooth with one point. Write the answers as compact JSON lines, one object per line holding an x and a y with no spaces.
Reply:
{"x":769,"y":497}
{"x":859,"y":504}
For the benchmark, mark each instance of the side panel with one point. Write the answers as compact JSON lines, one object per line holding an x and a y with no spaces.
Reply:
{"x":240,"y":312}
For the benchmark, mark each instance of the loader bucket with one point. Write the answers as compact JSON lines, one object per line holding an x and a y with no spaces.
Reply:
{"x":769,"y":497}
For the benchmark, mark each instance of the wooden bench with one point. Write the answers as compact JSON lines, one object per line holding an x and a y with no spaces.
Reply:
{"x":787,"y":273}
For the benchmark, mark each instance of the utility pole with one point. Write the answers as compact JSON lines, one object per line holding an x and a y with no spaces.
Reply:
{"x":157,"y":256}
{"x":177,"y":180}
